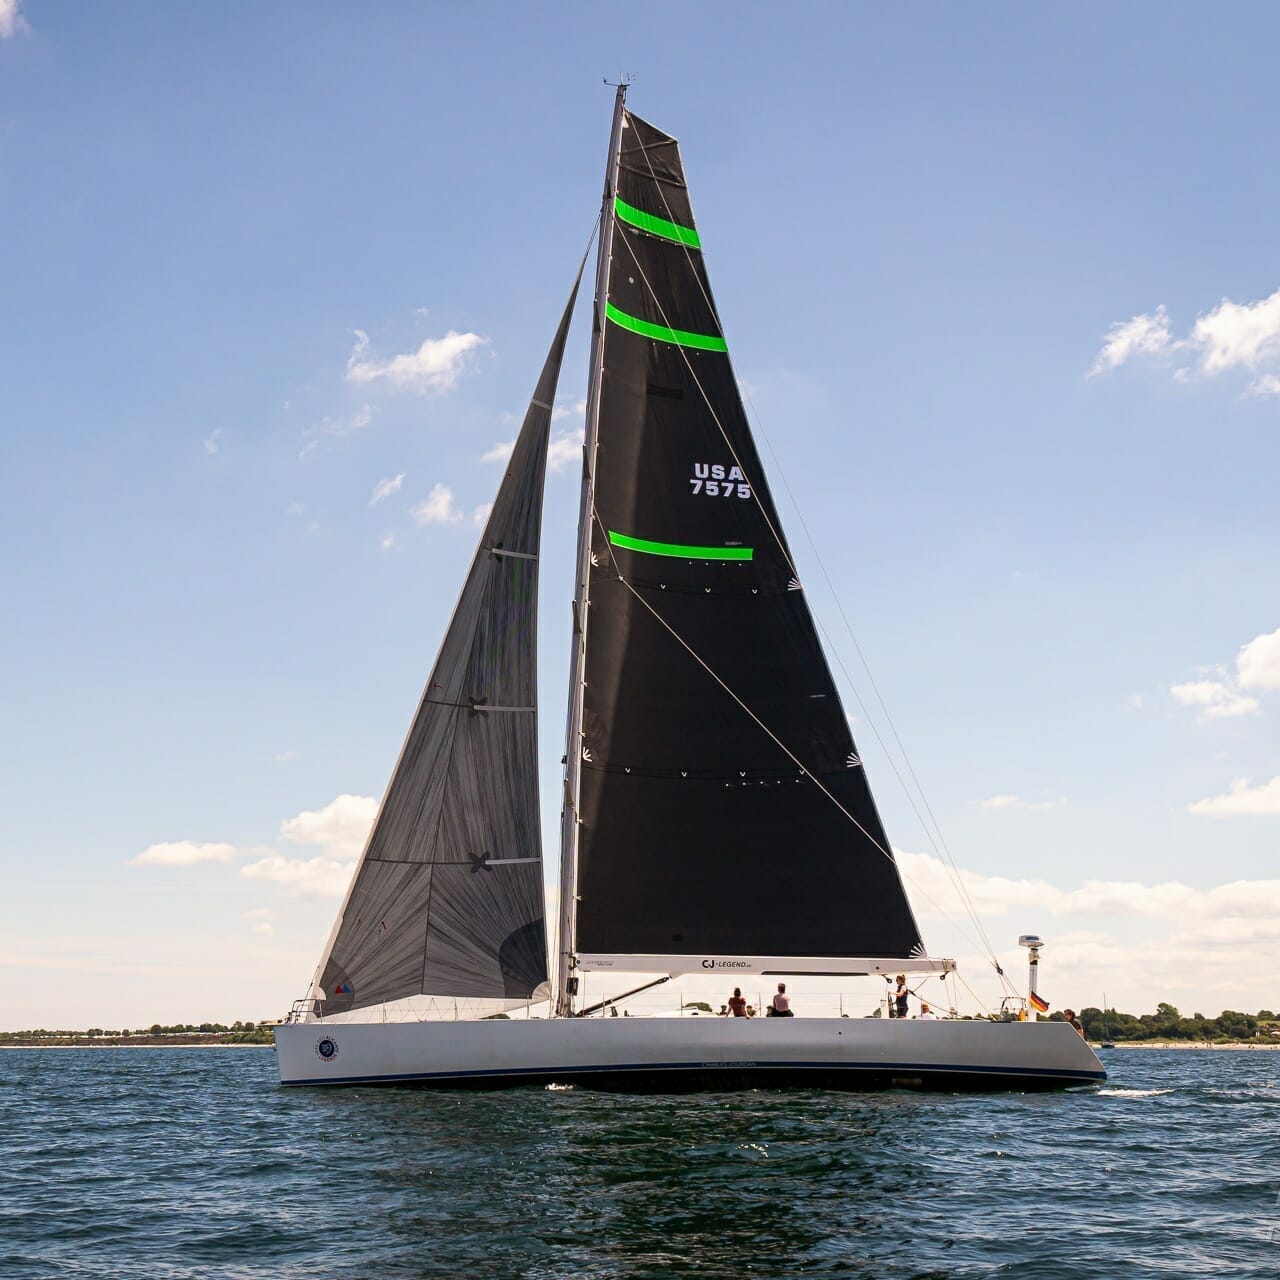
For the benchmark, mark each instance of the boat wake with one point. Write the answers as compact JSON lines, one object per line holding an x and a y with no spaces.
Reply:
{"x":1132,"y":1093}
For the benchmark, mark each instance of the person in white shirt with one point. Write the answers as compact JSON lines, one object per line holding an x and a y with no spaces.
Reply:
{"x":927,"y":1014}
{"x":780,"y":1006}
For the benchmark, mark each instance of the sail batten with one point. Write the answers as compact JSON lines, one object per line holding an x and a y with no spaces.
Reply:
{"x":447,"y":898}
{"x":718,"y":811}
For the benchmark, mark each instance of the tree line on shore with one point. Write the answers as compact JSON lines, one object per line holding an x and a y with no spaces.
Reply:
{"x":1110,"y":1024}
{"x":1168,"y":1024}
{"x":239,"y":1032}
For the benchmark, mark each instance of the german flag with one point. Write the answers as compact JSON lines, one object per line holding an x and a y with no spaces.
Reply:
{"x":1039,"y":1004}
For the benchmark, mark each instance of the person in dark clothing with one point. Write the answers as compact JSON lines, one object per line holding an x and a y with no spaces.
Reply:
{"x":900,"y":997}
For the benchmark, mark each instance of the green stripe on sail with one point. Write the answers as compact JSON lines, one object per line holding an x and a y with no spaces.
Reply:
{"x":678,"y":550}
{"x":656,"y":226}
{"x":660,"y":332}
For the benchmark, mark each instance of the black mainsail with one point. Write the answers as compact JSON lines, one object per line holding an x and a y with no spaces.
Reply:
{"x":721,"y":806}
{"x":448,"y":898}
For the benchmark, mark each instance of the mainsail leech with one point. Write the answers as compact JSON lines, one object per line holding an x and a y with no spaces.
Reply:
{"x":447,"y":899}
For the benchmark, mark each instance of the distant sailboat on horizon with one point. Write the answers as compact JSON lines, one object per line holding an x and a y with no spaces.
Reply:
{"x":716,"y":813}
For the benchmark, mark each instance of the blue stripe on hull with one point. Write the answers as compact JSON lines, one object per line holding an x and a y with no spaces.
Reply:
{"x":1054,"y":1077}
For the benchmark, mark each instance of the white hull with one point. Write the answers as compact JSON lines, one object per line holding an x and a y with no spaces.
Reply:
{"x":683,"y":1053}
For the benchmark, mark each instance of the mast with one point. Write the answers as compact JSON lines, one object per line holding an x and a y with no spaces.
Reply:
{"x":566,"y":982}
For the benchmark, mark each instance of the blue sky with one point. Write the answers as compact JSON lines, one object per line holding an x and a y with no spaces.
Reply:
{"x":1002,"y":285}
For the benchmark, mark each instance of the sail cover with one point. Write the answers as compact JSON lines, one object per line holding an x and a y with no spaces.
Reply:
{"x":709,"y":714}
{"x":447,"y":899}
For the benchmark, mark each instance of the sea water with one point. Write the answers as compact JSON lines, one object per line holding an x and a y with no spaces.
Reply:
{"x":175,"y":1163}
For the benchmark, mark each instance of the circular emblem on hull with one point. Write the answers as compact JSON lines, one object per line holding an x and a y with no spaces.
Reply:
{"x":326,"y":1048}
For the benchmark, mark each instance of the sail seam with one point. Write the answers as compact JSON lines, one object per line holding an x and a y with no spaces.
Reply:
{"x":671,"y":182}
{"x":419,"y":862}
{"x":473,"y":706}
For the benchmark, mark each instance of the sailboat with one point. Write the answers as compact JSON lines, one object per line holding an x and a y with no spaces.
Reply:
{"x":1107,"y":1042}
{"x":716,"y":815}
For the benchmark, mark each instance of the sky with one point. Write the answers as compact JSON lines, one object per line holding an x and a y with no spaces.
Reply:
{"x":1001,"y":284}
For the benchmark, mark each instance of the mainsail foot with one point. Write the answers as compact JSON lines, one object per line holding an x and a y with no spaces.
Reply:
{"x":764,"y":966}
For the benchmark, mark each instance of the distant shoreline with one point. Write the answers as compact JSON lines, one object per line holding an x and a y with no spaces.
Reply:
{"x":1184,"y":1044}
{"x":140,"y":1042}
{"x":212,"y":1042}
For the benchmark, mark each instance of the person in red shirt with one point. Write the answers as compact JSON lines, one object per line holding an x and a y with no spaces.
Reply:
{"x":737,"y":1005}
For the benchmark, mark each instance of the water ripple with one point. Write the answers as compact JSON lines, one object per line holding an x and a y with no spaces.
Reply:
{"x":193,"y":1164}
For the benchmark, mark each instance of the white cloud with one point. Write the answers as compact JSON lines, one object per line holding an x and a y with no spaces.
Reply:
{"x":1237,"y":334}
{"x":11,"y":20}
{"x":388,"y":542}
{"x":294,"y":509}
{"x":1171,"y":900}
{"x":341,"y":827}
{"x":1242,"y":800}
{"x":212,"y":442}
{"x":481,"y":514}
{"x":1016,"y":802}
{"x":564,"y":450}
{"x":1257,"y":667}
{"x":1216,"y":697}
{"x":335,"y":429}
{"x":259,"y":920}
{"x":306,"y":877}
{"x":385,"y":488}
{"x":438,"y":507}
{"x":577,"y":409}
{"x":1143,"y":335}
{"x":1258,"y":662}
{"x":436,"y":365}
{"x":500,"y":452}
{"x":284,"y":757}
{"x":183,"y":853}
{"x":1232,"y":336}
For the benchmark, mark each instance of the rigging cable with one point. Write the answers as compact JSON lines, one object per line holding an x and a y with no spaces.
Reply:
{"x":773,"y":737}
{"x":554,"y":937}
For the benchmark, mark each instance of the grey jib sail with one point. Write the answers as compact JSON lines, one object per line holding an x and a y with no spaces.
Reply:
{"x":448,"y":897}
{"x":700,"y":833}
